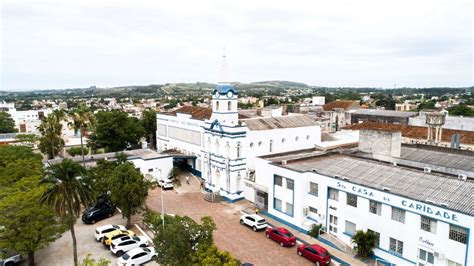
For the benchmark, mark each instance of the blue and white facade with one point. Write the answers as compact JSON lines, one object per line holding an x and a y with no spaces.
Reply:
{"x":410,"y":231}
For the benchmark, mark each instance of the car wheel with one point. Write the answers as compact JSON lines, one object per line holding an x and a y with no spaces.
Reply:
{"x":254,"y":229}
{"x":317,"y":263}
{"x":281,"y":244}
{"x":153,"y":258}
{"x":100,"y":239}
{"x":119,"y":253}
{"x":143,"y":246}
{"x":299,"y":253}
{"x":93,"y":222}
{"x":268,"y":236}
{"x":241,"y":221}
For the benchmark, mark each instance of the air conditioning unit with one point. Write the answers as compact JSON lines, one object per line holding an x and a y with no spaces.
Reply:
{"x":427,"y":170}
{"x":386,"y":189}
{"x":463,"y":177}
{"x":305,"y":211}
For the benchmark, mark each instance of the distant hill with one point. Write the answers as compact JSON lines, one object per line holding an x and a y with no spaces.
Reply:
{"x":281,"y":83}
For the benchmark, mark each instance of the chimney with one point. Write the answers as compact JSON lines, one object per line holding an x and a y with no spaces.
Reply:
{"x":380,"y":142}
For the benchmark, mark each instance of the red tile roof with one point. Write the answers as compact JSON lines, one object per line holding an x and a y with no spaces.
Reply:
{"x":346,"y":105}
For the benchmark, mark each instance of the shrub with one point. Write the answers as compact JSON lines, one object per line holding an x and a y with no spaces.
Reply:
{"x":75,"y":151}
{"x":314,"y":232}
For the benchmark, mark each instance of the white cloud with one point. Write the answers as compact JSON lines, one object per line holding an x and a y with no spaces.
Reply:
{"x":61,"y":44}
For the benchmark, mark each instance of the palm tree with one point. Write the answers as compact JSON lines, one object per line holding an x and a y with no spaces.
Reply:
{"x":82,"y":119}
{"x":365,"y":242}
{"x":51,"y":129}
{"x":68,"y":190}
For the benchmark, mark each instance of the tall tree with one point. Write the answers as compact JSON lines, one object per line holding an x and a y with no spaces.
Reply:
{"x":149,"y":123}
{"x":7,"y":124}
{"x":68,"y":189}
{"x":82,"y":120}
{"x":365,"y":242}
{"x":115,"y":131}
{"x":128,"y":189}
{"x":50,"y":128}
{"x":26,"y":226}
{"x":461,"y":109}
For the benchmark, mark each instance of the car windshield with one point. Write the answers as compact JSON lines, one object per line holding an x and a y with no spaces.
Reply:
{"x":288,"y":234}
{"x":125,"y":256}
{"x":261,"y":221}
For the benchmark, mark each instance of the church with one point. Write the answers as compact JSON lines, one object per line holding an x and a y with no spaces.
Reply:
{"x":220,"y":145}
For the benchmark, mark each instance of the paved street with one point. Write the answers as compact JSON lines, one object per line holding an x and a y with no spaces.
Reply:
{"x":239,"y":240}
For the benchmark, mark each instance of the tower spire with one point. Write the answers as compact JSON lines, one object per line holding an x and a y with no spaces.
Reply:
{"x":225,"y":73}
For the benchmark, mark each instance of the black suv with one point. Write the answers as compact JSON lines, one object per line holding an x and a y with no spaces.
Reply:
{"x":101,"y":209}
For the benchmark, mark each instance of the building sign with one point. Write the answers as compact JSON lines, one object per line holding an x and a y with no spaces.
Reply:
{"x":425,"y":242}
{"x":419,"y":207}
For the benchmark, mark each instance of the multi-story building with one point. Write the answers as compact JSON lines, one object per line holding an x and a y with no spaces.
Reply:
{"x":419,"y":216}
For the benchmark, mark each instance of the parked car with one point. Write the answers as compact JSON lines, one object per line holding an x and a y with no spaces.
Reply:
{"x":281,"y":235}
{"x":109,"y":237}
{"x":314,"y":253}
{"x":165,"y":183}
{"x":137,"y":256}
{"x":253,"y":220}
{"x":102,"y":209}
{"x":8,"y":258}
{"x":121,"y":245}
{"x":102,"y":230}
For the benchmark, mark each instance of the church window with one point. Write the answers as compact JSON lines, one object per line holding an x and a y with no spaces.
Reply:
{"x":297,"y":138}
{"x":307,"y":137}
{"x":217,"y":105}
{"x":271,"y":145}
{"x":251,"y":144}
{"x":238,"y":149}
{"x":217,"y":147}
{"x":283,"y":140}
{"x":229,"y":105}
{"x":259,"y":143}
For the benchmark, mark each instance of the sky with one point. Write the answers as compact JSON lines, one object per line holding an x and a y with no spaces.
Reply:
{"x":363,"y":43}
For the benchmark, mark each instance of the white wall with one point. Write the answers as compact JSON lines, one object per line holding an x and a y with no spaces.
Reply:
{"x":153,"y":166}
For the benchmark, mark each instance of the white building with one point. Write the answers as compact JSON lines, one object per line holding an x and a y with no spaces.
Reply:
{"x":419,"y":217}
{"x":221,"y":148}
{"x":25,"y":121}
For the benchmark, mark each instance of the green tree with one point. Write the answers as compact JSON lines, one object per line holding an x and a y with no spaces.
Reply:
{"x":213,"y":256}
{"x":68,"y":189}
{"x":181,"y":238}
{"x":7,"y":124}
{"x":116,"y":131}
{"x":461,"y":109}
{"x":365,"y":242}
{"x":128,"y":189}
{"x":27,"y":139}
{"x":82,"y":120}
{"x":149,"y":123}
{"x":89,"y":261}
{"x":50,"y":128}
{"x":26,"y":226}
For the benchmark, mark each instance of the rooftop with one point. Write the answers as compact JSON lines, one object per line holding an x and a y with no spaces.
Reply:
{"x":404,"y":181}
{"x":196,"y":112}
{"x":346,"y":105}
{"x":291,"y":121}
{"x":376,"y":112}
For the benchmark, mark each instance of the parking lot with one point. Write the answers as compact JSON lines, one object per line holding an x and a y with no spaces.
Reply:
{"x":243,"y":243}
{"x":60,"y":252}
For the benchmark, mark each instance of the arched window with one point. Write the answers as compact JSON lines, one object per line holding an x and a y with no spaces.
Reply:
{"x":259,"y":143}
{"x":217,"y":105}
{"x":283,"y":140}
{"x":297,"y":138}
{"x":229,"y":105}
{"x":227,"y":149}
{"x":271,"y":145}
{"x":307,"y":137}
{"x":217,"y":147}
{"x":238,"y":149}
{"x":251,"y":144}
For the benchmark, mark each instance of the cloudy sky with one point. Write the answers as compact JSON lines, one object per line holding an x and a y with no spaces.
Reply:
{"x":68,"y":44}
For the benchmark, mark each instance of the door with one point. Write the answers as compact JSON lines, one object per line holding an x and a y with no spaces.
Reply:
{"x":425,"y":258}
{"x":311,"y":254}
{"x":333,"y":221}
{"x":275,"y":235}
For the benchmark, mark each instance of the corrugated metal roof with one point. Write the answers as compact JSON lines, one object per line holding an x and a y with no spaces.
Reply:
{"x":383,"y":112}
{"x":450,"y":160}
{"x":410,"y":183}
{"x":279,"y":122}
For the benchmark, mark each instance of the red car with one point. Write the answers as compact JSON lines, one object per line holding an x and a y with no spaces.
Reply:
{"x":281,"y":235}
{"x":314,"y":253}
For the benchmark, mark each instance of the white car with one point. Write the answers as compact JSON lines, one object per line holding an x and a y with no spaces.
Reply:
{"x":165,"y":183}
{"x":137,"y":256}
{"x":121,"y":245}
{"x":102,"y":230}
{"x":254,"y":221}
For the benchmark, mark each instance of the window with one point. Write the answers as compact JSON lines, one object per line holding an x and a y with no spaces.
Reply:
{"x":313,"y":210}
{"x":425,"y":257}
{"x":277,"y":204}
{"x":278,"y":180}
{"x":377,"y":237}
{"x":458,"y":234}
{"x":290,"y":184}
{"x":238,"y":149}
{"x":428,"y":224}
{"x":251,"y":144}
{"x":150,"y":170}
{"x":297,"y":138}
{"x":217,"y":105}
{"x":333,"y":194}
{"x":289,"y":209}
{"x":259,"y":143}
{"x":313,"y":188}
{"x":350,"y":228}
{"x":307,"y":137}
{"x":229,"y":105}
{"x":283,"y":140}
{"x":271,"y":146}
{"x":375,"y":207}
{"x":351,"y":200}
{"x":453,"y":263}
{"x":398,"y":215}
{"x":396,"y":246}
